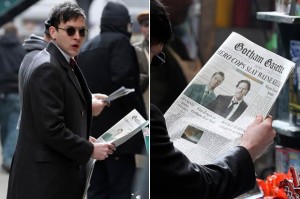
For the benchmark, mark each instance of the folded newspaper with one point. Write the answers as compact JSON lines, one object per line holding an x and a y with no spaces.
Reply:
{"x":122,"y":131}
{"x":118,"y":93}
{"x":238,"y":82}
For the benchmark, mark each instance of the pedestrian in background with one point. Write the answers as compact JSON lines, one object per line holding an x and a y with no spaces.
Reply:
{"x":11,"y":56}
{"x":108,"y":61}
{"x":142,"y":52}
{"x":182,"y":55}
{"x":35,"y":44}
{"x":57,"y":108}
{"x":32,"y":45}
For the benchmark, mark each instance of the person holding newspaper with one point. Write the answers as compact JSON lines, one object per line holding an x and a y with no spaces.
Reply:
{"x":172,"y":174}
{"x":108,"y":62}
{"x":204,"y":93}
{"x":57,"y":108}
{"x":231,"y":107}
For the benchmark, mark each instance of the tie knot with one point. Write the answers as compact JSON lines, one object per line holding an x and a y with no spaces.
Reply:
{"x":233,"y":102}
{"x":72,"y":63}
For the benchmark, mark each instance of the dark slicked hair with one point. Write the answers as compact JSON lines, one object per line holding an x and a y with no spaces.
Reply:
{"x":65,"y":12}
{"x":220,"y":73}
{"x":244,"y":81}
{"x":160,"y":25}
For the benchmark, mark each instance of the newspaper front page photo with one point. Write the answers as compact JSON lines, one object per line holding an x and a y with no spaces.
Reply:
{"x":239,"y":81}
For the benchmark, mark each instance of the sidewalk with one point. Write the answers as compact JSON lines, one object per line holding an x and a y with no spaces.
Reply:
{"x":3,"y":184}
{"x":3,"y":180}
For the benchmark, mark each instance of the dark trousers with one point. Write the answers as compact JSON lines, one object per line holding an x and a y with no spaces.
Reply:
{"x":113,"y":178}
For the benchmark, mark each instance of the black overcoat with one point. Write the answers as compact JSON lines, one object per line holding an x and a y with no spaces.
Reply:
{"x":52,"y":149}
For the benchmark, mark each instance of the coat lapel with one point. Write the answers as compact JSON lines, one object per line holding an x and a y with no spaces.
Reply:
{"x":75,"y":82}
{"x":63,"y":62}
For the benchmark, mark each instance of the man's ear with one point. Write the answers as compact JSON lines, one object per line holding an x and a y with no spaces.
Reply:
{"x":52,"y":32}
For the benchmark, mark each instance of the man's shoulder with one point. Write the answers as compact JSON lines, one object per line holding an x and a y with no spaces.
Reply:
{"x":224,"y":97}
{"x":243,"y":103}
{"x":42,"y":56}
{"x":36,"y":64}
{"x":49,"y":56}
{"x":198,"y":86}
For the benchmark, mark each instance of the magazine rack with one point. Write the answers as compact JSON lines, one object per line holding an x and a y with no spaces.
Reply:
{"x":288,"y":133}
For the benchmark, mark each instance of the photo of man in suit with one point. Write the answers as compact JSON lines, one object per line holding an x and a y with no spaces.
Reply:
{"x":203,"y":94}
{"x":231,"y":107}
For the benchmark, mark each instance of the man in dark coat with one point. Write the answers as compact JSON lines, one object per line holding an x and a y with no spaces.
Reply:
{"x":108,"y":62}
{"x":57,"y":107}
{"x":11,"y":55}
{"x":231,"y":107}
{"x":172,"y":174}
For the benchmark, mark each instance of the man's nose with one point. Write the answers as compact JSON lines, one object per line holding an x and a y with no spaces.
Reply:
{"x":77,"y":35}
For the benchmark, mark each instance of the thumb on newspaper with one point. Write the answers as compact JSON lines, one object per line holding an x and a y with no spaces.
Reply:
{"x":99,"y":96}
{"x":92,"y":139}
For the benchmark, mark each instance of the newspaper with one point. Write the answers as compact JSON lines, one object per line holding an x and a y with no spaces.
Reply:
{"x":201,"y":132}
{"x":118,"y":93}
{"x":122,"y":131}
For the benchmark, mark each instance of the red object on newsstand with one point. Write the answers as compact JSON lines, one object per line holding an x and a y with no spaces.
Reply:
{"x":281,"y":185}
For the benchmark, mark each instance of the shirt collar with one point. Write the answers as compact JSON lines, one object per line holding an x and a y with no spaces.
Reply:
{"x":238,"y":102}
{"x":67,"y":57}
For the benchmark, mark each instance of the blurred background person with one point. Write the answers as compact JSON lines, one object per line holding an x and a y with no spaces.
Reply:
{"x":32,"y":46}
{"x":142,"y":51}
{"x":35,"y":44}
{"x":108,"y":61}
{"x":182,"y":55}
{"x":11,"y":56}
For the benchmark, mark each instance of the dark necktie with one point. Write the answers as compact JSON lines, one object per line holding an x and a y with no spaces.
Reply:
{"x":74,"y":66}
{"x":229,"y":109}
{"x":73,"y":63}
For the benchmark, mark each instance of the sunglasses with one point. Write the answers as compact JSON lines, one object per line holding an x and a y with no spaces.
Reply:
{"x":72,"y":30}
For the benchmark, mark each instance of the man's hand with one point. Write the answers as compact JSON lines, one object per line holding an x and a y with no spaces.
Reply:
{"x":101,"y":150}
{"x":258,"y":136}
{"x":98,"y":104}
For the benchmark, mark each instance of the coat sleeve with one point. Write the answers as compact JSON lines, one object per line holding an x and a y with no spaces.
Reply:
{"x":47,"y":104}
{"x":174,"y":176}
